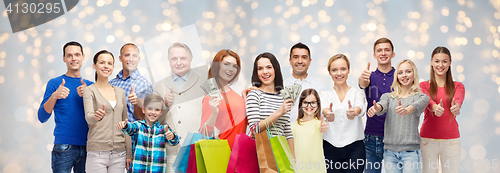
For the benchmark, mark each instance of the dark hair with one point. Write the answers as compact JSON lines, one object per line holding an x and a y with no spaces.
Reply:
{"x":383,"y":40}
{"x":128,"y":44}
{"x":97,"y":56}
{"x":449,"y":84}
{"x":213,"y":72}
{"x":303,"y":96}
{"x":72,"y":43}
{"x":300,"y":45}
{"x":278,"y":79}
{"x":153,"y":98}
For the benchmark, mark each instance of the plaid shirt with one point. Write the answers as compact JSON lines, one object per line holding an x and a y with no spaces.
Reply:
{"x":142,"y":88}
{"x":150,"y":151}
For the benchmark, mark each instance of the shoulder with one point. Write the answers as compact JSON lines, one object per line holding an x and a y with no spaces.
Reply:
{"x":119,"y":90}
{"x":424,"y":84}
{"x":458,"y":84}
{"x":386,"y":96}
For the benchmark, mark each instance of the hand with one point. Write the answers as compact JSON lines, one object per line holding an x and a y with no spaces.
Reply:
{"x":330,"y":116}
{"x":80,"y":88}
{"x":132,"y":97}
{"x":366,"y":73}
{"x":122,"y":125}
{"x":100,"y":113}
{"x":455,"y":107}
{"x":324,"y":125}
{"x":169,"y":133}
{"x":169,"y":98}
{"x":373,"y":110}
{"x":400,"y":110}
{"x":129,"y":161}
{"x":214,"y":103}
{"x":245,"y":91}
{"x":439,"y":110}
{"x":62,"y":92}
{"x":350,"y":111}
{"x":286,"y":106}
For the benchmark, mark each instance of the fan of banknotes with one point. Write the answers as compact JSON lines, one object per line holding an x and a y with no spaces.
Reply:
{"x":291,"y":92}
{"x":211,"y":89}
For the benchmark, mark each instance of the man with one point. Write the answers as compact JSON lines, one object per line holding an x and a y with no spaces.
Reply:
{"x":183,"y":97}
{"x":134,"y":84}
{"x":375,"y":84}
{"x":300,"y":59}
{"x":63,"y":95}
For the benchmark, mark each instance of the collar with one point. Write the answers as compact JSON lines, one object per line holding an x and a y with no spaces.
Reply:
{"x":156,"y":124}
{"x":134,"y":75}
{"x":293,"y":80}
{"x":390,"y":73}
{"x":185,"y":77}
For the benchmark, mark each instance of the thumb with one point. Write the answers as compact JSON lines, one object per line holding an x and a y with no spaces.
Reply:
{"x":368,"y":66}
{"x":399,"y":102}
{"x":453,"y":101}
{"x":374,"y":104}
{"x":349,"y":102}
{"x":63,"y":82}
{"x":171,"y":91}
{"x":132,"y":89}
{"x":441,"y":102}
{"x":331,"y":105}
{"x":322,"y":118}
{"x":126,"y":120}
{"x":83,"y":83}
{"x":103,"y":107}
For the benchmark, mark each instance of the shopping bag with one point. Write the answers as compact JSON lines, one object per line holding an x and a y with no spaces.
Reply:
{"x":191,"y":167}
{"x":282,"y":154}
{"x":215,"y":153}
{"x":267,"y":164}
{"x":243,"y":157}
{"x":200,"y":164}
{"x":181,"y":162}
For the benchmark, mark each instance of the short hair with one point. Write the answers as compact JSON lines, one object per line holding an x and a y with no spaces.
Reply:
{"x":300,"y":45}
{"x":153,"y":98}
{"x":338,"y":56}
{"x":181,"y":45}
{"x":96,"y":56}
{"x":383,"y":40}
{"x":128,"y":44}
{"x":278,"y":77}
{"x":213,"y":72}
{"x":72,"y":43}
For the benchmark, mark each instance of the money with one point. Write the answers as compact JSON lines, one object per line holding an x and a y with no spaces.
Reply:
{"x":211,"y":88}
{"x":291,"y":92}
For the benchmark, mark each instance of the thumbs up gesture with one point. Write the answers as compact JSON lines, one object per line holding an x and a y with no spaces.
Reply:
{"x":169,"y":134}
{"x":122,"y":125}
{"x":324,"y":125}
{"x":62,"y":92}
{"x":366,"y":73}
{"x":169,"y":98}
{"x":350,"y":111}
{"x":438,"y":108}
{"x":100,"y":113}
{"x":81,"y":87}
{"x":401,"y":110}
{"x":328,"y":113}
{"x":455,"y":107}
{"x":374,"y":109}
{"x":132,"y":97}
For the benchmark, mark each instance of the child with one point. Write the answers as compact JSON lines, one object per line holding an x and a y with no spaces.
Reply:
{"x":403,"y":107}
{"x":150,"y":150}
{"x":307,"y":132}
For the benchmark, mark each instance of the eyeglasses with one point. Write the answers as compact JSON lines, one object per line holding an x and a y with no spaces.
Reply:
{"x":312,"y":104}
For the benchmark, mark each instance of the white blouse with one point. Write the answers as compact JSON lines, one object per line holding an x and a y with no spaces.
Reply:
{"x":343,"y":131}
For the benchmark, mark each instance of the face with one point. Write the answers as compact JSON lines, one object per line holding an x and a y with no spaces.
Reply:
{"x":309,"y":105}
{"x":153,"y":111}
{"x":265,"y":71}
{"x":130,"y":58}
{"x":228,"y":68}
{"x":405,"y":74}
{"x":383,"y":53}
{"x":104,"y":65}
{"x":339,"y":71}
{"x":73,"y":57}
{"x":300,"y":61}
{"x":440,"y":63}
{"x":180,"y":61}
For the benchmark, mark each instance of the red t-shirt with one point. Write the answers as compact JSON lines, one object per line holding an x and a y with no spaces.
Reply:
{"x":227,"y":129}
{"x":446,"y":126}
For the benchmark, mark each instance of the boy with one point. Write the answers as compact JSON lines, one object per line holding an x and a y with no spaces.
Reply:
{"x":150,"y":150}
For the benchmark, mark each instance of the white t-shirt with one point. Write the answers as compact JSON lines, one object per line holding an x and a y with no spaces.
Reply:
{"x":306,"y":83}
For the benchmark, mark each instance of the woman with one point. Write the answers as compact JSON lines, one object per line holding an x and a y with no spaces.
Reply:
{"x":266,"y":105}
{"x":105,"y":106}
{"x":439,"y":132}
{"x":227,"y":114}
{"x":343,"y":107}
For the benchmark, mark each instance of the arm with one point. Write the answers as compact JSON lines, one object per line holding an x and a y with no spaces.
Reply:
{"x":419,"y":104}
{"x":291,"y":145}
{"x":88,"y":105}
{"x":253,"y":112}
{"x":128,"y":140}
{"x":458,"y":98}
{"x":364,"y":79}
{"x":208,"y":114}
{"x":360,"y":103}
{"x":175,"y":140}
{"x":424,"y":87}
{"x":383,"y":104}
{"x":48,"y":103}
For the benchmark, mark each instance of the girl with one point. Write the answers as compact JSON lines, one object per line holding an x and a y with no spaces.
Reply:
{"x":307,"y":132}
{"x":343,"y":107}
{"x":105,"y":106}
{"x":403,"y":107}
{"x":439,"y":132}
{"x":266,"y":105}
{"x":227,"y":115}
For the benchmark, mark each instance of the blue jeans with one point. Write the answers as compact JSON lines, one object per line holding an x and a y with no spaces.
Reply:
{"x":65,"y":157}
{"x":348,"y":159}
{"x":404,"y":161}
{"x":374,"y":147}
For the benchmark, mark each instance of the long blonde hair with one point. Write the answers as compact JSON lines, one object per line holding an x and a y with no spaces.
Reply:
{"x":396,"y":86}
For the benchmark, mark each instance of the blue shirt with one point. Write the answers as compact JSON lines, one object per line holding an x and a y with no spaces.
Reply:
{"x":380,"y":83}
{"x":69,"y":115}
{"x":142,"y":88}
{"x":180,"y":81}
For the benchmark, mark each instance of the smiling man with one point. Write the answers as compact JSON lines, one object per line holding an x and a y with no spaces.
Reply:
{"x":300,"y":60}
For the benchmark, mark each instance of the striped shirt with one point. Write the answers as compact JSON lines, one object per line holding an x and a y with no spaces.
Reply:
{"x":150,"y":151}
{"x":142,"y":88}
{"x":260,"y":105}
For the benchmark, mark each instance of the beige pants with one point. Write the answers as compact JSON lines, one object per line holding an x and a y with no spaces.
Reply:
{"x":442,"y":154}
{"x":106,"y":161}
{"x":170,"y":163}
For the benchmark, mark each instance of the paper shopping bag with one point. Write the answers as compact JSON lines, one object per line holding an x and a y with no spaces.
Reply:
{"x":216,"y":153}
{"x":243,"y":156}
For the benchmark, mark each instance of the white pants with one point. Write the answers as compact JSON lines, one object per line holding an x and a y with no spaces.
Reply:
{"x":441,"y":154}
{"x":170,"y":163}
{"x":106,"y":161}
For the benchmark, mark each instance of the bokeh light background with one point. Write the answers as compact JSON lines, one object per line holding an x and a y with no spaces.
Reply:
{"x":470,"y":29}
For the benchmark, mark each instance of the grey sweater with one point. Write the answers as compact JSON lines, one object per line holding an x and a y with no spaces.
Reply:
{"x":401,"y":132}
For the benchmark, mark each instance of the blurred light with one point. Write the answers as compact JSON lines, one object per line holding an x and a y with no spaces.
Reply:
{"x":34,"y":62}
{"x":289,"y":2}
{"x":123,"y":3}
{"x":110,"y":39}
{"x":136,"y":28}
{"x":477,"y":40}
{"x":278,"y":9}
{"x":2,"y":79}
{"x":445,"y":11}
{"x":344,"y":41}
{"x":461,"y":14}
{"x":461,"y":77}
{"x":20,"y":58}
{"x":371,"y":26}
{"x":493,"y":29}
{"x":306,"y":3}
{"x":460,"y":69}
{"x":341,"y":28}
{"x":481,"y":106}
{"x":269,"y":46}
{"x":329,"y":3}
{"x":313,"y":25}
{"x":412,"y":26}
{"x":410,"y":54}
{"x":420,"y":55}
{"x":477,"y":152}
{"x":315,"y":39}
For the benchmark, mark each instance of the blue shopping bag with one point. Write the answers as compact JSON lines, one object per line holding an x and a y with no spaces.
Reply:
{"x":181,"y":162}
